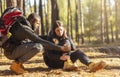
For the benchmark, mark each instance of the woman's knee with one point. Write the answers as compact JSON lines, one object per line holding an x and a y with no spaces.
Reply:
{"x":78,"y":51}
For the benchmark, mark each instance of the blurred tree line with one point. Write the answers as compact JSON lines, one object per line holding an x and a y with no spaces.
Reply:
{"x":86,"y":21}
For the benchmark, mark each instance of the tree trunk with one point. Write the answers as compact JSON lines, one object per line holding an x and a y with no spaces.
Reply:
{"x":24,"y":10}
{"x":111,"y":22}
{"x":68,"y":17}
{"x":11,"y":3}
{"x":71,"y":21}
{"x":41,"y":15}
{"x":35,"y":5}
{"x":0,"y":6}
{"x":106,"y":23}
{"x":116,"y":19}
{"x":20,"y":4}
{"x":46,"y":16}
{"x":81,"y":22}
{"x":89,"y":18}
{"x":30,"y":6}
{"x":76,"y":22}
{"x":101,"y":24}
{"x":55,"y":11}
{"x":5,"y":5}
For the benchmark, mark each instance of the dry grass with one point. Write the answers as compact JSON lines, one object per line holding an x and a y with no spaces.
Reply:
{"x":37,"y":68}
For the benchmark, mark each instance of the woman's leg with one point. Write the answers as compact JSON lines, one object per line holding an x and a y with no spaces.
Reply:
{"x":78,"y":54}
{"x":85,"y":60}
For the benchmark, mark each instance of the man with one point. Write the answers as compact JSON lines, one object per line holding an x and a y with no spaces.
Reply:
{"x":35,"y":22}
{"x":16,"y":29}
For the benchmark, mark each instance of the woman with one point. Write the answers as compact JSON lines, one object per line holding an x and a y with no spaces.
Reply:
{"x":57,"y":59}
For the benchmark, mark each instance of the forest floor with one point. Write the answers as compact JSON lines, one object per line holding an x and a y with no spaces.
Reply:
{"x":37,"y":67}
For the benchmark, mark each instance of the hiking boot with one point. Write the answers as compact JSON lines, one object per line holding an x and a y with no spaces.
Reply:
{"x":21,"y":65}
{"x":97,"y":66}
{"x":16,"y":67}
{"x":68,"y":65}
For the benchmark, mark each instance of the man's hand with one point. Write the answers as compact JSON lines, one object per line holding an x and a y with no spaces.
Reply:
{"x":64,"y":57}
{"x":66,"y":48}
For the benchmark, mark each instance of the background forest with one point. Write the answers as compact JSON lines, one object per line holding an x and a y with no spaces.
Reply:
{"x":88,"y":22}
{"x":94,"y":26}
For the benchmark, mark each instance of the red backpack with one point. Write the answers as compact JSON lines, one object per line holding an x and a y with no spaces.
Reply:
{"x":8,"y":18}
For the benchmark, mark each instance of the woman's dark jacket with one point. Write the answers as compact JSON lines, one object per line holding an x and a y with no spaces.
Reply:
{"x":52,"y":57}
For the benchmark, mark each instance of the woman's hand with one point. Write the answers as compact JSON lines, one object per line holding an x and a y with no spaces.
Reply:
{"x":64,"y":57}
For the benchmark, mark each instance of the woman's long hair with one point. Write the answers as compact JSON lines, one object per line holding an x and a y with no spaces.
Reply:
{"x":56,"y":24}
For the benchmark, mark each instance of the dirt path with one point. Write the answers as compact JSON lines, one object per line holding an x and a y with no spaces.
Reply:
{"x":37,"y":68}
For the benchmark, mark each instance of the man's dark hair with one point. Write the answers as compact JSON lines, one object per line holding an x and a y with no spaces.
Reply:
{"x":33,"y":16}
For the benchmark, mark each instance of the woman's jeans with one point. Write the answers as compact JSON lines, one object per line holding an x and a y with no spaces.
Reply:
{"x":78,"y":54}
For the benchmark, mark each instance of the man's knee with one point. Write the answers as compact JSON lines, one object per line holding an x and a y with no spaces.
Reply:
{"x":38,"y":47}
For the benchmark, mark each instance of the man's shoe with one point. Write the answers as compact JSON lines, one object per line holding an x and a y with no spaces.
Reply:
{"x":22,"y":66}
{"x":97,"y":66}
{"x":16,"y":67}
